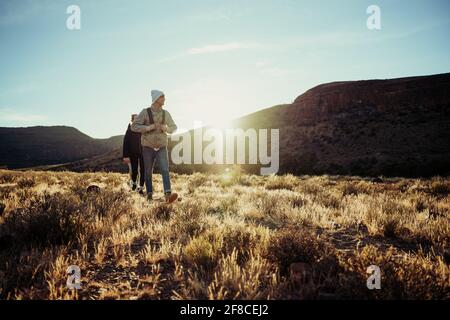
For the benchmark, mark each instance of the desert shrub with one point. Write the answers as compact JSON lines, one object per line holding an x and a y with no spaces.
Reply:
{"x":227,"y":180}
{"x":233,"y":176}
{"x":409,"y":277}
{"x":187,"y":221}
{"x":245,"y":180}
{"x":78,"y":187}
{"x":243,"y":240}
{"x":22,"y":274}
{"x":420,"y":204}
{"x":48,"y":220}
{"x":388,"y":217}
{"x":162,"y":211}
{"x":440,"y":187}
{"x":62,"y":218}
{"x":223,"y":205}
{"x":392,"y":228}
{"x":23,"y":196}
{"x":196,"y":180}
{"x":113,"y":181}
{"x":256,"y":279}
{"x":329,"y":200}
{"x":309,"y":188}
{"x":436,"y":211}
{"x":5,"y":191}
{"x":107,"y":204}
{"x":292,"y":245}
{"x":267,"y":203}
{"x":203,"y":251}
{"x":2,"y":208}
{"x":349,"y":189}
{"x":298,"y":201}
{"x":25,"y":183}
{"x":288,"y":182}
{"x":8,"y":176}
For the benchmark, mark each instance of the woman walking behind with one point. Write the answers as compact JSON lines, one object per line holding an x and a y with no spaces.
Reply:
{"x":132,"y":155}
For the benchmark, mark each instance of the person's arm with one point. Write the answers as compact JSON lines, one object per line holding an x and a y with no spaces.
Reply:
{"x":170,"y":126}
{"x":139,"y":125}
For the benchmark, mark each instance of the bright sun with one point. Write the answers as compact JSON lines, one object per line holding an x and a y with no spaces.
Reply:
{"x":208,"y":103}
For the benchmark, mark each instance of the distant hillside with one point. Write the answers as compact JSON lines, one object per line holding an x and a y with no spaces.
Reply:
{"x":396,"y":127}
{"x":110,"y":161}
{"x":375,"y":127}
{"x":33,"y":146}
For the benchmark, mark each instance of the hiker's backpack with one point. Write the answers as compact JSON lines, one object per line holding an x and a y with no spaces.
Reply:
{"x":150,"y":116}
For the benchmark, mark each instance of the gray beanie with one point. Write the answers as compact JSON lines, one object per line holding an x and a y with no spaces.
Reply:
{"x":156,"y":94}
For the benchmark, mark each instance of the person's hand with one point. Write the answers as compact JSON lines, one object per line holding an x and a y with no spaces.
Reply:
{"x":163,"y":127}
{"x":152,"y":127}
{"x":126,"y":160}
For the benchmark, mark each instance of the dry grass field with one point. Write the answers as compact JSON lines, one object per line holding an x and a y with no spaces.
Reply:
{"x":230,"y":236}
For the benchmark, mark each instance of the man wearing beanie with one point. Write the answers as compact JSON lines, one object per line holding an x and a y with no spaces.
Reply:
{"x":154,"y":123}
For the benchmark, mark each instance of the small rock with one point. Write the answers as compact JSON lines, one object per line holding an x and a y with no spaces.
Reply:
{"x":93,"y":189}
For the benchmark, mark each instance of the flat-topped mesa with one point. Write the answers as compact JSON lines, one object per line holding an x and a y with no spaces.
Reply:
{"x":330,"y":99}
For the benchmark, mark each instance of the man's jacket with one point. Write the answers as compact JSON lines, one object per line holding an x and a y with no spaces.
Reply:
{"x":151,"y":137}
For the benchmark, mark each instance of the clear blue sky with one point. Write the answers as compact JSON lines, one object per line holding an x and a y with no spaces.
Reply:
{"x":215,"y":60}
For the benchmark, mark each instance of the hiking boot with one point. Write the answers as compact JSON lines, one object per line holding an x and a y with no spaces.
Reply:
{"x":149,"y":197}
{"x":171,"y":197}
{"x":140,"y":190}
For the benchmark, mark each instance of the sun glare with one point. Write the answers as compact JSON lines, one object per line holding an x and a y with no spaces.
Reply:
{"x":211,"y":103}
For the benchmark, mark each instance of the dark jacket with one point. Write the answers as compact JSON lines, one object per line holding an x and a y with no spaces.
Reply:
{"x":132,"y":144}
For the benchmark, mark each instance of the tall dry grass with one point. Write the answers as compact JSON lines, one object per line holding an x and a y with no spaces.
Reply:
{"x":232,"y":236}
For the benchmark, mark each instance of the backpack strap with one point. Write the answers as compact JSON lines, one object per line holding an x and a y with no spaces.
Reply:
{"x":150,"y":116}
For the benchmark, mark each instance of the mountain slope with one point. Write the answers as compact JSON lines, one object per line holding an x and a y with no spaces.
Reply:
{"x":27,"y":147}
{"x":375,"y":127}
